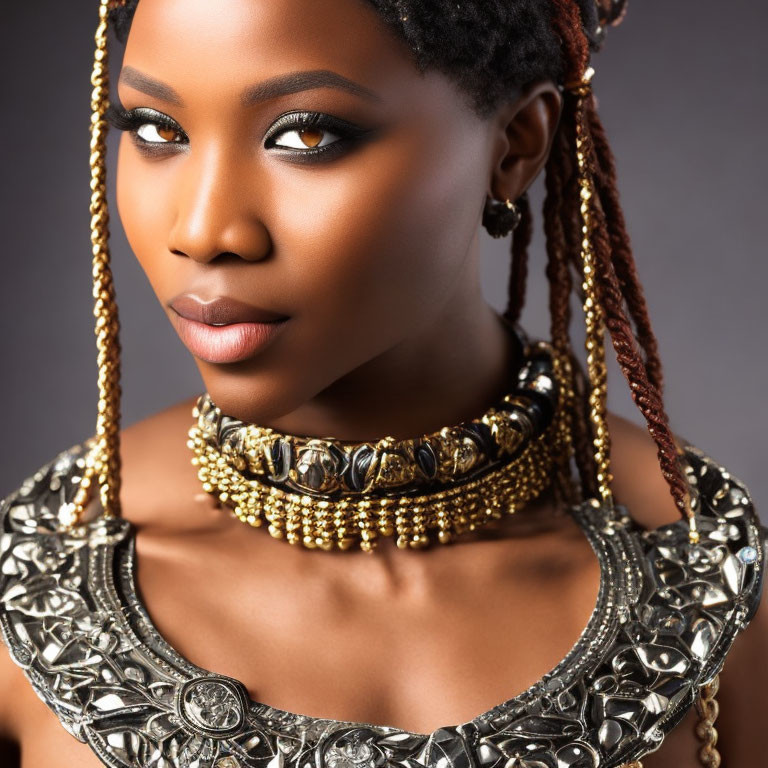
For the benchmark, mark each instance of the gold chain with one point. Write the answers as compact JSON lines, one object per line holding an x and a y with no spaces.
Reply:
{"x":708,"y":710}
{"x":103,"y":461}
{"x":593,"y":312}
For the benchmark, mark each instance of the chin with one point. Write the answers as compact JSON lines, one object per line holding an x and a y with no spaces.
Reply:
{"x":258,"y":397}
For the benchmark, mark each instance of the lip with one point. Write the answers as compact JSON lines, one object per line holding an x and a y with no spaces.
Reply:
{"x":224,"y":330}
{"x":221,"y":311}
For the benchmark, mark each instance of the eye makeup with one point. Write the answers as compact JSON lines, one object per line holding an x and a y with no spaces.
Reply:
{"x":348,"y":134}
{"x":134,"y":120}
{"x":300,"y":122}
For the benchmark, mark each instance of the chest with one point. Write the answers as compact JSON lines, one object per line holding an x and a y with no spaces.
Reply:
{"x":413,"y":656}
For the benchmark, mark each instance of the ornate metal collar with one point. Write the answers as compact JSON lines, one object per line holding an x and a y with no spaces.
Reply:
{"x":665,"y":618}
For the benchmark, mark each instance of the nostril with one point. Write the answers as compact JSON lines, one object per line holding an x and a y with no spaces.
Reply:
{"x":227,"y":256}
{"x":221,"y":256}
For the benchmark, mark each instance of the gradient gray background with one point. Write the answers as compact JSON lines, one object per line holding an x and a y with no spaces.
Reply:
{"x":682,"y":93}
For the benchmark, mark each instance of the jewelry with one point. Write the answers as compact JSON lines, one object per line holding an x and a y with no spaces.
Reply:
{"x":664,"y":620}
{"x":593,"y":312}
{"x":500,"y":217}
{"x":323,"y":492}
{"x":72,"y":619}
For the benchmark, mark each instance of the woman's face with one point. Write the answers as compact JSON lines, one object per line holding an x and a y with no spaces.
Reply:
{"x":360,"y":229}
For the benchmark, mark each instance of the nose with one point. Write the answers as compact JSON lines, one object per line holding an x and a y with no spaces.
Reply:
{"x":216,"y":211}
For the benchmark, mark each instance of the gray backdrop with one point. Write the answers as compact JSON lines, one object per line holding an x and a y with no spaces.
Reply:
{"x":682,"y":90}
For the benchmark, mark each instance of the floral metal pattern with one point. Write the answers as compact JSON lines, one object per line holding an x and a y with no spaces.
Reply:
{"x":665,"y":618}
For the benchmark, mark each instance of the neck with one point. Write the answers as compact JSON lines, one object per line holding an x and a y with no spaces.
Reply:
{"x":450,"y":372}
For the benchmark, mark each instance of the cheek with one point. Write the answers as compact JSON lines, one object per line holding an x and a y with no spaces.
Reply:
{"x":385,"y":234}
{"x":144,"y":203}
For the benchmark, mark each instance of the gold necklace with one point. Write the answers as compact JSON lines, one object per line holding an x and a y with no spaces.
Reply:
{"x":325,"y":493}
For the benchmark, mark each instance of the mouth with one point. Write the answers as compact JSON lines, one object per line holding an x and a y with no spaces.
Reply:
{"x":224,"y":330}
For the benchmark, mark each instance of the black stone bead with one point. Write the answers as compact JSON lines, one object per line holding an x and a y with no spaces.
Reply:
{"x":281,"y":459}
{"x":426,"y":459}
{"x":541,"y":364}
{"x":358,"y":467}
{"x":341,"y":459}
{"x":541,"y":410}
{"x":481,"y":435}
{"x":537,"y":414}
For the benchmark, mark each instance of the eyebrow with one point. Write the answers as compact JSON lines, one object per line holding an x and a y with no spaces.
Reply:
{"x":148,"y":85}
{"x":280,"y":85}
{"x":293,"y":82}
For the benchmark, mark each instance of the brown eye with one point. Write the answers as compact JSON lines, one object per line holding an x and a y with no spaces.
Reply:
{"x":306,"y":138}
{"x":169,"y":134}
{"x":152,"y":133}
{"x":311,"y":136}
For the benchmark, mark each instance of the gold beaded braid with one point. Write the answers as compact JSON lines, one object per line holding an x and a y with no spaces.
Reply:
{"x":593,"y":312}
{"x":594,"y":315}
{"x":338,"y":523}
{"x":103,"y":460}
{"x":708,"y":710}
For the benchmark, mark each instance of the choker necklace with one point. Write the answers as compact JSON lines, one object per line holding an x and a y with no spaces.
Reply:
{"x":327,"y":493}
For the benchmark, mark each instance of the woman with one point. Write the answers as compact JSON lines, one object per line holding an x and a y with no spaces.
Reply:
{"x":339,"y":296}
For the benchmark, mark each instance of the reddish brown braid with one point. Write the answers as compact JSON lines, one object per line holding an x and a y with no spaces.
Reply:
{"x":617,"y":279}
{"x":623,"y":262}
{"x":560,"y":288}
{"x":518,"y":275}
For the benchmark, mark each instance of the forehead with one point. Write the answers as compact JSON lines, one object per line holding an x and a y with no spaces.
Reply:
{"x":227,"y":43}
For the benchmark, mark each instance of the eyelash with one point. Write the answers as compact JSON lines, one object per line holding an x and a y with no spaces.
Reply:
{"x":133,"y":119}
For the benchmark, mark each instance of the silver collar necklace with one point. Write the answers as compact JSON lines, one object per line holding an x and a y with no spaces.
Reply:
{"x":666,"y":615}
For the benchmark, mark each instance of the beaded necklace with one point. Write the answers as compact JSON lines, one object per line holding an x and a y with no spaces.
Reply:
{"x":327,"y":493}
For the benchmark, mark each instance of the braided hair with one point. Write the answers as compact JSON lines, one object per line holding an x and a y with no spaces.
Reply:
{"x":492,"y":49}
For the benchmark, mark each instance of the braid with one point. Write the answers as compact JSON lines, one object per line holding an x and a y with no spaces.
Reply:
{"x":560,"y":288}
{"x":605,"y":181}
{"x":616,"y":274}
{"x":518,"y":274}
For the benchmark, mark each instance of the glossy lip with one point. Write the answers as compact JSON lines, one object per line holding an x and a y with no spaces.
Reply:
{"x":223,"y":330}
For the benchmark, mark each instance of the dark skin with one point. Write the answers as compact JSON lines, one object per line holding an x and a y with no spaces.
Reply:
{"x":374,"y":256}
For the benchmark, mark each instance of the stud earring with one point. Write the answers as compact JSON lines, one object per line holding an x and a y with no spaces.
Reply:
{"x":500,"y":217}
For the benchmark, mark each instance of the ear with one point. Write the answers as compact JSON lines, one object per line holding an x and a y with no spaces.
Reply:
{"x":522,"y":134}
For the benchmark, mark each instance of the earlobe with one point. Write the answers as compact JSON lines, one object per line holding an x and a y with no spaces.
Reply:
{"x":525,"y":129}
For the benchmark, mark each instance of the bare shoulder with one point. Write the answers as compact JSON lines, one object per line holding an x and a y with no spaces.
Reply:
{"x":638,"y":481}
{"x":12,"y":681}
{"x":157,"y":475}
